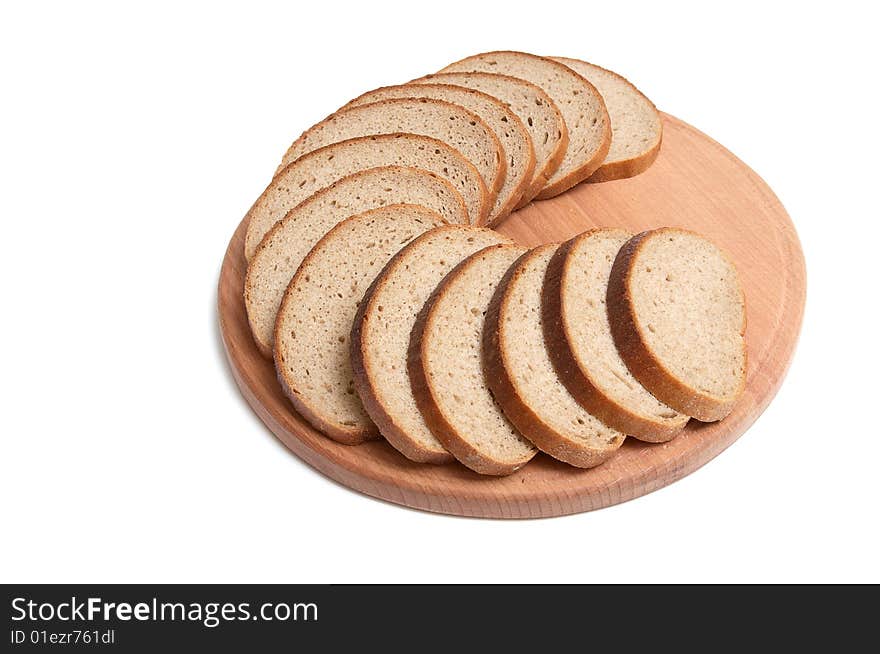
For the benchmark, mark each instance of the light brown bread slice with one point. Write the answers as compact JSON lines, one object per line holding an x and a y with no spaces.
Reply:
{"x":446,"y":369}
{"x":636,"y":128}
{"x":314,"y":322}
{"x":321,"y":168}
{"x":678,"y":317}
{"x":447,"y":122}
{"x":380,"y":337}
{"x":581,"y":347}
{"x":522,"y":378}
{"x":289,"y":241}
{"x":510,"y":130}
{"x":535,"y":109}
{"x":582,"y":107}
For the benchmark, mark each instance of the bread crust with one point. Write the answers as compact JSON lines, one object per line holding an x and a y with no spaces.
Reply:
{"x":634,"y":165}
{"x":516,"y":193}
{"x":506,"y":391}
{"x":253,"y":239}
{"x":587,"y":168}
{"x":266,"y":349}
{"x":491,"y":192}
{"x":574,"y":376}
{"x":641,"y":360}
{"x":424,"y":392}
{"x":543,"y":170}
{"x":627,"y":167}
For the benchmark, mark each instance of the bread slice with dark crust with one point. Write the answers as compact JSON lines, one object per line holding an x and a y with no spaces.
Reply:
{"x":636,"y":126}
{"x":322,"y":167}
{"x":678,"y":318}
{"x":314,"y":321}
{"x":581,"y":104}
{"x":521,"y":375}
{"x":451,"y":123}
{"x":289,"y":241}
{"x":535,"y":109}
{"x":380,"y":336}
{"x":582,"y":348}
{"x":511,"y":132}
{"x":448,"y":379}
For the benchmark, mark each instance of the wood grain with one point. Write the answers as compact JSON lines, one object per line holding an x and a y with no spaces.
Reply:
{"x":695,"y":183}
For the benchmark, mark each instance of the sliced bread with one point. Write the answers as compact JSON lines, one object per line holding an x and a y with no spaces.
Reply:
{"x":380,"y":337}
{"x":321,"y":168}
{"x":521,"y":375}
{"x":289,"y":241}
{"x":678,"y":318}
{"x":582,"y":107}
{"x":314,"y":322}
{"x":636,"y":128}
{"x":535,"y":109}
{"x":510,"y":130}
{"x":582,"y":348}
{"x":446,"y":369}
{"x":447,"y":122}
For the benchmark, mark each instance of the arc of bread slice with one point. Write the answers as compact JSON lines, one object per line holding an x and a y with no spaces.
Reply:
{"x":515,"y":142}
{"x":521,"y":375}
{"x":314,"y":321}
{"x":582,"y":348}
{"x":446,"y":369}
{"x":450,"y":123}
{"x":319,"y":169}
{"x":636,"y":127}
{"x":678,"y":318}
{"x":380,"y":335}
{"x":535,"y":109}
{"x":289,"y":241}
{"x":582,"y":107}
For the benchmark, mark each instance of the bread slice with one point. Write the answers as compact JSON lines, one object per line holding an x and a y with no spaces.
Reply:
{"x":521,"y":375}
{"x":636,"y":128}
{"x":582,"y":107}
{"x":510,"y":130}
{"x":446,"y":369}
{"x":678,"y":318}
{"x":289,"y":241}
{"x":321,"y":168}
{"x":581,"y":347}
{"x":380,"y":337}
{"x":314,"y":322}
{"x":447,"y":122}
{"x":535,"y":109}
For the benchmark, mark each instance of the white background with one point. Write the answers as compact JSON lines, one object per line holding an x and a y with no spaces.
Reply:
{"x":132,"y":141}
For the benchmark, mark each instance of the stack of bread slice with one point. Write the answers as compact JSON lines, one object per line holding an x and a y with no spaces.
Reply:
{"x":392,"y":310}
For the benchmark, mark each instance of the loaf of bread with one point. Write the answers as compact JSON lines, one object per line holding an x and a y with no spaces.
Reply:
{"x":636,"y":128}
{"x":515,"y":141}
{"x":447,"y":122}
{"x":678,"y":318}
{"x":289,"y":241}
{"x":582,"y":107}
{"x":521,"y":375}
{"x":319,"y":169}
{"x":582,"y":348}
{"x":380,"y":338}
{"x":448,"y":378}
{"x":316,"y":314}
{"x":535,"y":109}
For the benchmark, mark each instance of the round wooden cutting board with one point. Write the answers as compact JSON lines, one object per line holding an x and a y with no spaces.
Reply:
{"x":695,"y":183}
